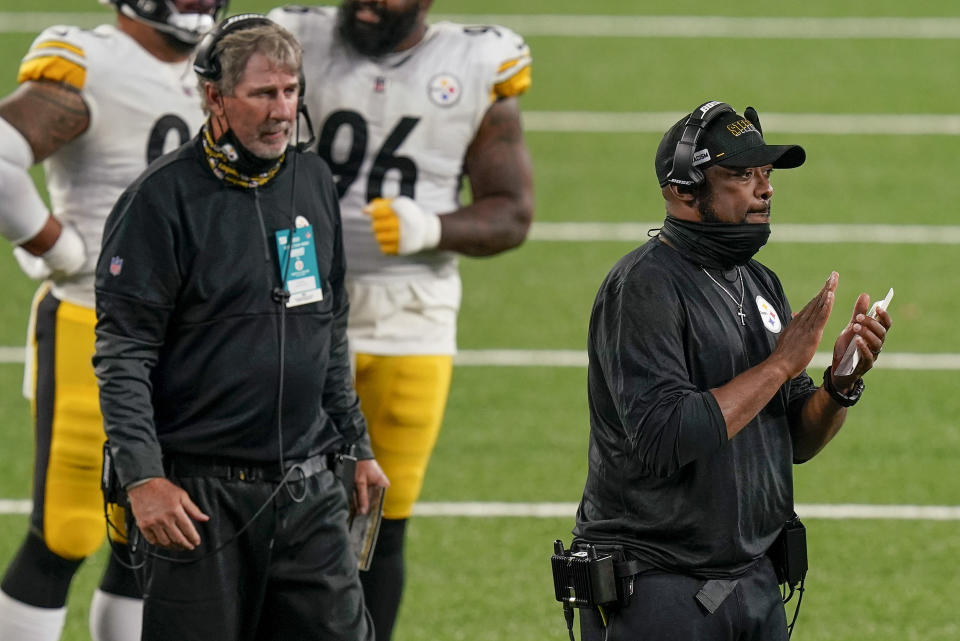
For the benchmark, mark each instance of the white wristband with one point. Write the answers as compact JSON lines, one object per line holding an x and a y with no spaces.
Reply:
{"x":66,"y":256}
{"x":431,"y":230}
{"x":68,"y":253}
{"x":419,"y":229}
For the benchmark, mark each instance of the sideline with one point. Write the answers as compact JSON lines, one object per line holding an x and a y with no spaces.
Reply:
{"x":577,"y":358}
{"x":624,"y":26}
{"x":813,"y":511}
{"x":781,"y":233}
{"x":656,"y":122}
{"x":469,"y":509}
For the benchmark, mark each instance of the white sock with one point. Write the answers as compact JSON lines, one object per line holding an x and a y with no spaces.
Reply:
{"x":114,"y":617}
{"x":25,"y":622}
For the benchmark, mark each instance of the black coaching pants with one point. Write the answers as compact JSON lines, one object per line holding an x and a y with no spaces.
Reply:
{"x":664,"y":607}
{"x":290,"y":576}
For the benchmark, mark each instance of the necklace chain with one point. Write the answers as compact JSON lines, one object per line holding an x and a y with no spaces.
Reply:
{"x":743,"y":291}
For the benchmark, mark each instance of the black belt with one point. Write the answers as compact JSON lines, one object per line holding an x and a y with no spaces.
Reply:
{"x":234,"y":470}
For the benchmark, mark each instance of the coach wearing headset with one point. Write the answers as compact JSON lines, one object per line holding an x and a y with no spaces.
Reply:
{"x":222,"y":359}
{"x":699,"y":399}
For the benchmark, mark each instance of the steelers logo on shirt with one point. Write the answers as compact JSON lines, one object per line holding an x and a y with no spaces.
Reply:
{"x":444,"y":90}
{"x":769,"y":315}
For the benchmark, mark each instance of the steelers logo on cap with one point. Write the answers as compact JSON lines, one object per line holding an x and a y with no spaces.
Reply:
{"x":444,"y":90}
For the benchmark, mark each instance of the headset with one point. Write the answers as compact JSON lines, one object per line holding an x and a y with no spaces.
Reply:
{"x":205,"y":61}
{"x":683,"y":172}
{"x":206,"y":64}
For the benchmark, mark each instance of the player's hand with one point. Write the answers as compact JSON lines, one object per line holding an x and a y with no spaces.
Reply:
{"x":368,"y":474}
{"x":802,"y":336}
{"x":868,"y":334}
{"x":65,"y":257}
{"x":163,"y":512}
{"x":401,"y":226}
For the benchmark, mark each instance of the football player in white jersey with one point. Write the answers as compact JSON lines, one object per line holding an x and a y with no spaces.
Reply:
{"x":405,"y":110}
{"x":95,"y":106}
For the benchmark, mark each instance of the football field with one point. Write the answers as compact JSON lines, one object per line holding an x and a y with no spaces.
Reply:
{"x":870,"y":90}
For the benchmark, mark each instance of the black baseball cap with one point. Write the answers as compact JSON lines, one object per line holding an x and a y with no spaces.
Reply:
{"x":730,"y":140}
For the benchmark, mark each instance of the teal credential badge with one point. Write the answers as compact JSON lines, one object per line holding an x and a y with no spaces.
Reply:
{"x":298,"y":266}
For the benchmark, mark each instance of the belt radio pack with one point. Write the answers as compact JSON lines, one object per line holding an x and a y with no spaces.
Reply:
{"x":789,"y":556}
{"x":789,"y":553}
{"x":583,"y":579}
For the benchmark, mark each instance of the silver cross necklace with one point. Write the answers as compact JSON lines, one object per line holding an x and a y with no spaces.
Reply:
{"x":743,"y":291}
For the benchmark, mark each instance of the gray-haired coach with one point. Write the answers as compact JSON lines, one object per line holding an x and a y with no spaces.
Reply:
{"x":222,"y":359}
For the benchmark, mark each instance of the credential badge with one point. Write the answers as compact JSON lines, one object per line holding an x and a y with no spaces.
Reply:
{"x":444,"y":90}
{"x":769,"y":315}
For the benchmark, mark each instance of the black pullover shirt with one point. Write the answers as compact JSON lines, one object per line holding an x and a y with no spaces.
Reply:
{"x":189,"y":329}
{"x":664,"y":481}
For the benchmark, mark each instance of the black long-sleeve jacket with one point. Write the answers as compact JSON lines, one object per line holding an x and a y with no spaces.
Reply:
{"x":189,"y":330}
{"x":664,"y":481}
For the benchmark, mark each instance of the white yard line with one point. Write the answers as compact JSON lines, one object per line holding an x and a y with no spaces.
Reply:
{"x":656,"y":122}
{"x":593,"y":26}
{"x":782,"y":233}
{"x":812,"y":511}
{"x":568,"y":510}
{"x":577,"y":358}
{"x":602,"y":26}
{"x":11,"y":354}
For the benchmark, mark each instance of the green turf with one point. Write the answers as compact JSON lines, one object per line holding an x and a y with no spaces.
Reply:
{"x":519,"y":434}
{"x":815,"y":76}
{"x":496,"y":581}
{"x":16,"y":434}
{"x":898,"y":447}
{"x":512,"y":435}
{"x":814,"y":8}
{"x":610,"y":178}
{"x":539,"y":297}
{"x":677,"y":7}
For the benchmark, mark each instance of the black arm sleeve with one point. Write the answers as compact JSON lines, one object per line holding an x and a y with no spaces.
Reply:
{"x":134,"y":301}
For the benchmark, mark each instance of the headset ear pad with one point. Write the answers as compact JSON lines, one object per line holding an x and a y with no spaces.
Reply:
{"x":683,"y":171}
{"x":205,"y":62}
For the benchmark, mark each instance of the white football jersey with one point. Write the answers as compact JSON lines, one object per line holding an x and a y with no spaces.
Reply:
{"x":140,"y":108}
{"x":401,"y":124}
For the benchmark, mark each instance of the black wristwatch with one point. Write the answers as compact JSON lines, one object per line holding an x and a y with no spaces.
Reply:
{"x":841,"y":399}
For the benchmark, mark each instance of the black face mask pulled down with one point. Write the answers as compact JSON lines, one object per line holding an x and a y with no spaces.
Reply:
{"x":716,"y":245}
{"x":242,"y":158}
{"x":231,"y":162}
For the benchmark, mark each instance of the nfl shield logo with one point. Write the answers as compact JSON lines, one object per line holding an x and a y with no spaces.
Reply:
{"x":116,"y":264}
